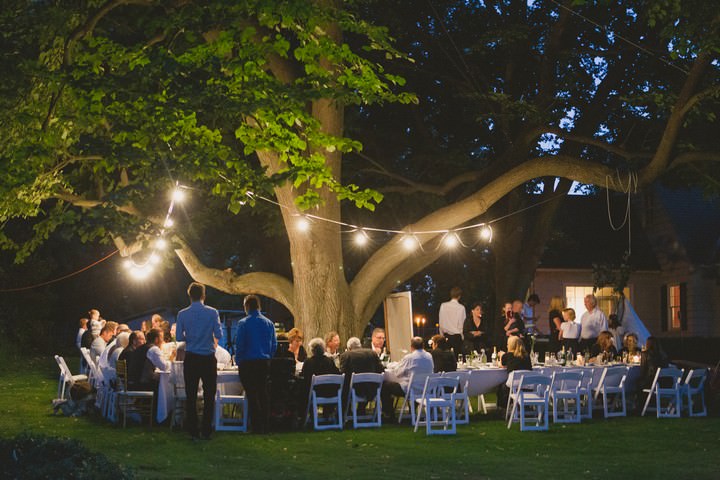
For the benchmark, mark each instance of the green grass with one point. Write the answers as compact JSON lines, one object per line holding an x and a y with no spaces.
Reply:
{"x":624,"y":447}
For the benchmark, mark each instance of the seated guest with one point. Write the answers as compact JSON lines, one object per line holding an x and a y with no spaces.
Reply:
{"x":317,"y":364}
{"x":221,"y":355}
{"x":443,"y":359}
{"x":154,"y":360}
{"x":295,"y":339}
{"x":83,"y":328}
{"x":569,"y":330}
{"x":652,"y":358}
{"x":516,"y":358}
{"x":474,"y":332}
{"x":100,"y":343}
{"x":603,"y":349}
{"x":167,"y":332}
{"x":135,"y":358}
{"x":417,"y":361}
{"x":123,"y":340}
{"x":332,"y":344}
{"x":631,"y":345}
{"x":357,"y":359}
{"x":377,"y":343}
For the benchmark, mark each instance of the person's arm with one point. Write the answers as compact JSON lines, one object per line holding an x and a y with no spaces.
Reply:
{"x":156,"y":358}
{"x":557,"y":321}
{"x":273,"y":343}
{"x":180,"y":329}
{"x":217,"y":327}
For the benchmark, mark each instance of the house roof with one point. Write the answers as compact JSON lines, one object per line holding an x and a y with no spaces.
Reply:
{"x":696,"y":222}
{"x":583,"y":235}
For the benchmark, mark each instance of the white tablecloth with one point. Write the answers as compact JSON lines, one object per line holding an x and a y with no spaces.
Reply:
{"x":228,"y":382}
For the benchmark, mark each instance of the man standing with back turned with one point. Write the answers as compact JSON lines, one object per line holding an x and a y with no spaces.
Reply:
{"x":451,"y":319}
{"x":255,"y":345}
{"x":199,"y":326}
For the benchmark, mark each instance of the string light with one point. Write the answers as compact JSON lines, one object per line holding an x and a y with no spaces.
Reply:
{"x":361,"y":238}
{"x":486,"y":233}
{"x":143,"y":270}
{"x":302,"y":224}
{"x":451,"y":240}
{"x":410,"y":243}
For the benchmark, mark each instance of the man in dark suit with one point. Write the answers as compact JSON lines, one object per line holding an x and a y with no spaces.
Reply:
{"x":358,"y":360}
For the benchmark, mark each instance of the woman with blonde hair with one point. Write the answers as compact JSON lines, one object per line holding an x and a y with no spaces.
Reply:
{"x":516,"y":358}
{"x":295,"y":340}
{"x":603,"y":348}
{"x":555,"y":319}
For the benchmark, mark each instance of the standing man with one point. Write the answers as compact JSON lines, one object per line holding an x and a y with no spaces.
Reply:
{"x":592,"y":323}
{"x":255,"y":345}
{"x":199,"y":326}
{"x":452,"y":317}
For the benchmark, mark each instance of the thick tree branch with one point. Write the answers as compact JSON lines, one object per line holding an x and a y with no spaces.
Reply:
{"x":81,"y":202}
{"x":694,"y":157}
{"x":260,"y":283}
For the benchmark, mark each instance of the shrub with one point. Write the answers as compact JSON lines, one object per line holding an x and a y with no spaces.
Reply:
{"x":30,"y":456}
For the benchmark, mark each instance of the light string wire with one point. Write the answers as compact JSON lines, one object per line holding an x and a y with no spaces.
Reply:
{"x":30,"y":287}
{"x":620,"y":37}
{"x":631,"y":188}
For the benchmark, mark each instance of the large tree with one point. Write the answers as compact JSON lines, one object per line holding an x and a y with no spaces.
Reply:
{"x":107,"y":104}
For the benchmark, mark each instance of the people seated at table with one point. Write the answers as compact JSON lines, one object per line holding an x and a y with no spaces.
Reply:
{"x":317,"y":364}
{"x":357,"y":359}
{"x":100,"y":343}
{"x":475,"y":333}
{"x":418,"y":361}
{"x":569,"y":331}
{"x":555,"y":320}
{"x":135,"y":358}
{"x":332,"y":344}
{"x":123,"y":340}
{"x":377,"y":343}
{"x":222,"y":356}
{"x":516,"y":358}
{"x":154,"y":359}
{"x":630,"y":346}
{"x":603,"y":350}
{"x":444,"y":360}
{"x":295,"y":340}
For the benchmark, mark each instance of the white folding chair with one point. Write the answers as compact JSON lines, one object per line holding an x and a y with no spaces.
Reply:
{"x":231,"y":410}
{"x":586,"y":393}
{"x":315,"y":401}
{"x":612,"y":389}
{"x":694,"y":386}
{"x":665,"y":385}
{"x":513,"y":382}
{"x":414,"y":390}
{"x":438,"y":402}
{"x":92,"y":368}
{"x":532,"y":398}
{"x":66,"y":378}
{"x":461,"y":396}
{"x":564,"y":390}
{"x":366,"y":381}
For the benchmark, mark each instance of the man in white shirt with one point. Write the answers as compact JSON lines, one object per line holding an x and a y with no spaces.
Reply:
{"x":592,"y":323}
{"x":451,"y":320}
{"x":418,"y":361}
{"x":100,"y":343}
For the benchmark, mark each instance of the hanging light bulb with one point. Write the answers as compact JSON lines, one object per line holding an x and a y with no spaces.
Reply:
{"x":141,"y":272}
{"x":128,"y":264}
{"x":154,"y":258}
{"x":451,"y":240}
{"x":303,"y":224}
{"x":169,"y":222}
{"x":161,"y":244}
{"x":178,"y":195}
{"x":486,"y":233}
{"x":410,"y":243}
{"x":361,"y":238}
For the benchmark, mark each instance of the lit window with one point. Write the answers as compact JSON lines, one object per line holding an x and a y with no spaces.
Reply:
{"x":674,"y":306}
{"x":575,"y":298}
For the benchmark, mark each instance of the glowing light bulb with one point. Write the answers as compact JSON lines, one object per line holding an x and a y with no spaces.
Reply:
{"x":128,"y":264}
{"x":303,"y":224}
{"x":410,"y":243}
{"x":141,"y":273}
{"x":361,"y":238}
{"x":169,"y":222}
{"x":178,"y":195}
{"x":486,"y":233}
{"x":161,"y":244}
{"x":154,"y":259}
{"x":451,"y":240}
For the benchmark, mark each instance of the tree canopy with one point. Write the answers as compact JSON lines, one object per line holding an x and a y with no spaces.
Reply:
{"x":107,"y":104}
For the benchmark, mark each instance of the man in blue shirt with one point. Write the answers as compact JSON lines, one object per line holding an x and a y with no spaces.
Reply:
{"x":255,"y":345}
{"x":199,"y":326}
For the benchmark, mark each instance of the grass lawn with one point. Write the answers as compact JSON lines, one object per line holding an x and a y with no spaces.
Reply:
{"x":623,"y":447}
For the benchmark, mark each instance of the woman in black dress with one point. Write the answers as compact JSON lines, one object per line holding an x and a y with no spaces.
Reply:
{"x":443,"y":358}
{"x":474,"y":332}
{"x":555,"y":319}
